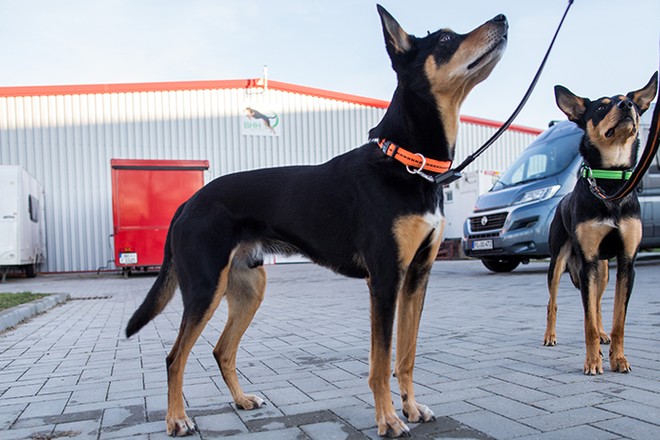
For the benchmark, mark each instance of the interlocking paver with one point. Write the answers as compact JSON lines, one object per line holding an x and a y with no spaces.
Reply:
{"x":480,"y":363}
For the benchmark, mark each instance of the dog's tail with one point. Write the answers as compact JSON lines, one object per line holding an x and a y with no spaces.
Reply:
{"x":160,"y":293}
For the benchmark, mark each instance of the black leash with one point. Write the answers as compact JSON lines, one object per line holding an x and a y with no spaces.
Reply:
{"x":455,"y":173}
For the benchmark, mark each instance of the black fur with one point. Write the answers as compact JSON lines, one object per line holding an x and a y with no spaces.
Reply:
{"x":352,"y":214}
{"x":587,"y":231}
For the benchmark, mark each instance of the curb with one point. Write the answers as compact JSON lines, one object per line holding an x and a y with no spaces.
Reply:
{"x":9,"y":318}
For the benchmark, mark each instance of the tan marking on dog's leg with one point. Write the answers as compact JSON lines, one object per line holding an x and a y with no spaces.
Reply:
{"x":594,"y":362}
{"x":176,"y":420}
{"x":410,"y":231}
{"x":631,"y":233}
{"x":603,"y":278}
{"x":550,"y":337}
{"x":589,"y":236}
{"x":380,"y":358}
{"x":245,"y":292}
{"x":409,"y":312}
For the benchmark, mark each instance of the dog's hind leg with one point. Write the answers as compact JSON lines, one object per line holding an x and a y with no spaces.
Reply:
{"x":192,"y":325}
{"x":631,"y":233}
{"x":556,"y":268}
{"x":603,"y":278}
{"x":409,"y":311}
{"x":202,"y":260}
{"x":245,"y":291}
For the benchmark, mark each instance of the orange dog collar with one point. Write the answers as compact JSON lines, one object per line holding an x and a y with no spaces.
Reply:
{"x":415,"y":163}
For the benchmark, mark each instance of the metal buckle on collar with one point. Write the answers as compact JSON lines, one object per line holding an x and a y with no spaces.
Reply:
{"x":419,"y":171}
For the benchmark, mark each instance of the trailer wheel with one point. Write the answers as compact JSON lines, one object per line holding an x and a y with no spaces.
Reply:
{"x":500,"y":265}
{"x":31,"y":270}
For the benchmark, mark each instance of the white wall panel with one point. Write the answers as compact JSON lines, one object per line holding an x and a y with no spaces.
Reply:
{"x":67,"y":141}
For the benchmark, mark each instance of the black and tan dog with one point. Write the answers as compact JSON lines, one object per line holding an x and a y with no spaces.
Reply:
{"x":587,"y":231}
{"x":371,"y":213}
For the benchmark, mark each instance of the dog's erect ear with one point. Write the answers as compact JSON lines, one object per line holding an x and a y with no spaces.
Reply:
{"x":397,"y":40}
{"x":643,"y":97}
{"x":573,"y":106}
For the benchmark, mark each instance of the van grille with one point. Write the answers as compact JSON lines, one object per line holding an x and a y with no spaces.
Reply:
{"x":492,"y":221}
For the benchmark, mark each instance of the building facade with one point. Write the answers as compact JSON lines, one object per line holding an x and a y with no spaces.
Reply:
{"x":65,"y":136}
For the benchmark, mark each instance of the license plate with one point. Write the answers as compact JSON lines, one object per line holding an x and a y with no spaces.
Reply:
{"x":128,"y":258}
{"x":482,"y":245}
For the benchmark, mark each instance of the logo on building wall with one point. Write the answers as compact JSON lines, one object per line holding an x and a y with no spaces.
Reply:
{"x":260,"y":120}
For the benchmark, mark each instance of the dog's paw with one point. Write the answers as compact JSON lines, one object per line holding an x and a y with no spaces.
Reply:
{"x":390,"y":425}
{"x":248,"y":402}
{"x":417,"y":413}
{"x":593,"y":366}
{"x":620,"y":364}
{"x":180,"y":426}
{"x":604,"y":338}
{"x":550,"y":340}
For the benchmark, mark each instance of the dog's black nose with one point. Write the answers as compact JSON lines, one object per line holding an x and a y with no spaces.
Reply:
{"x":499,"y":18}
{"x":625,"y":105}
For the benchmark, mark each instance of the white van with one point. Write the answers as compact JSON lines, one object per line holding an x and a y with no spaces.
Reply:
{"x":22,"y":230}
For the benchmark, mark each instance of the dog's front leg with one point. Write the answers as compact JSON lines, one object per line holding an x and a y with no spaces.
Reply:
{"x":383,"y":304}
{"x":631,"y":233}
{"x":593,"y":363}
{"x":409,"y":312}
{"x":589,"y":237}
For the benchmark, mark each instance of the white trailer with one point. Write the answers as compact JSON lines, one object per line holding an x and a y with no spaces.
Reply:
{"x":460,"y":197}
{"x":22,"y":228}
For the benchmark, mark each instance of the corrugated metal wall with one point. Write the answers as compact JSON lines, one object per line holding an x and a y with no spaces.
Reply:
{"x":500,"y":155}
{"x":67,"y":141}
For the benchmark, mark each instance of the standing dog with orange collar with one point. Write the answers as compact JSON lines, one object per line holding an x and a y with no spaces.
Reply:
{"x":372,"y":213}
{"x":587,"y":231}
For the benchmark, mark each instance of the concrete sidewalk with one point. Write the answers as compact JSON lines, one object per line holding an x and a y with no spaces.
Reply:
{"x":481,"y":367}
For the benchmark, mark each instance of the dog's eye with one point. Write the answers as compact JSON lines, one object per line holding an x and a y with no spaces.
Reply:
{"x":445,"y":37}
{"x":601,"y":108}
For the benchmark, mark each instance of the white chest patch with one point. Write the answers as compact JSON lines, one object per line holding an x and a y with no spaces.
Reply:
{"x":436,"y":222}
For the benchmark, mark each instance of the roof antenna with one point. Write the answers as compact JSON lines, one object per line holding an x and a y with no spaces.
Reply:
{"x":265,"y":78}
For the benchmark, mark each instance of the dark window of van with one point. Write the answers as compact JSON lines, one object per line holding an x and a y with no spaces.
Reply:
{"x":33,"y":209}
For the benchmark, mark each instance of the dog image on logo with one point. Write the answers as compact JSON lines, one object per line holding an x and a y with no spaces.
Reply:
{"x":254,"y":114}
{"x":587,"y":231}
{"x":371,"y":213}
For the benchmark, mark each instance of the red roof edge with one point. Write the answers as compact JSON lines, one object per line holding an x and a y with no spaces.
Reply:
{"x":84,"y":89}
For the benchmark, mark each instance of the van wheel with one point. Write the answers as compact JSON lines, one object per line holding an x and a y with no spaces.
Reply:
{"x":31,"y":270}
{"x":501,"y":264}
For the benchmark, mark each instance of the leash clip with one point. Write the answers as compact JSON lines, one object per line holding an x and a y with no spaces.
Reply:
{"x":418,"y":171}
{"x":447,"y":177}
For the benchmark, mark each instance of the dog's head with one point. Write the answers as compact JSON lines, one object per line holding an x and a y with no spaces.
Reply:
{"x":610,"y":124}
{"x":444,"y":66}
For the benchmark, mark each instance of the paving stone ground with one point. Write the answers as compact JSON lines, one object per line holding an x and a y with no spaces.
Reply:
{"x":71,"y":373}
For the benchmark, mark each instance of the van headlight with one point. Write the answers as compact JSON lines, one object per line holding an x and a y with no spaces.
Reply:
{"x":537,"y":195}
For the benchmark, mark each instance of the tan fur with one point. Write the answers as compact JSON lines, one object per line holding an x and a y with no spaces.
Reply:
{"x":450,"y":84}
{"x":602,"y":278}
{"x":409,"y":310}
{"x":410,"y":231}
{"x":631,"y":232}
{"x":616,"y":150}
{"x":589,"y":236}
{"x":245,"y":292}
{"x":380,"y":358}
{"x":176,"y":418}
{"x":550,"y":338}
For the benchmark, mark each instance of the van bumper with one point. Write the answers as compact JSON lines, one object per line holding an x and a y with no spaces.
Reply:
{"x":523,"y":233}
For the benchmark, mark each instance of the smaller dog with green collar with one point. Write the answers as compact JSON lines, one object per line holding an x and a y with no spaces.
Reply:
{"x":587,"y":231}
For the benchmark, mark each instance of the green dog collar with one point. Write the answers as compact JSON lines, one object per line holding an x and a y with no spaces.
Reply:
{"x":588,"y":173}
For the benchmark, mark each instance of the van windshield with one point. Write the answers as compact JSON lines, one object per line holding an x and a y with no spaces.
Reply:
{"x":546,"y":156}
